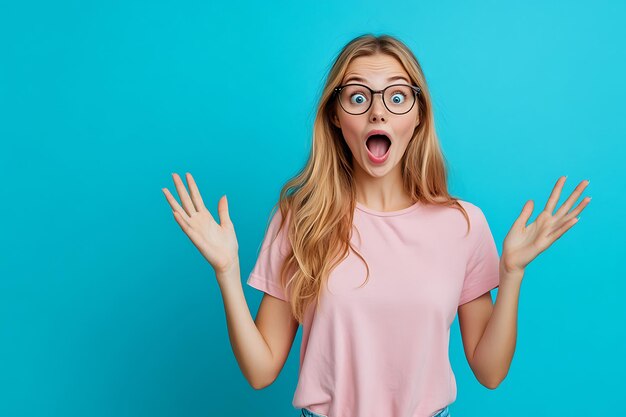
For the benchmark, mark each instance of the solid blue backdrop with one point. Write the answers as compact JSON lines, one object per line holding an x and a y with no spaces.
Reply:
{"x":107,"y":308}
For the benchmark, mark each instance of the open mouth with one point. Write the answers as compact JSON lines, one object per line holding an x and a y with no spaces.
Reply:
{"x":378,"y":145}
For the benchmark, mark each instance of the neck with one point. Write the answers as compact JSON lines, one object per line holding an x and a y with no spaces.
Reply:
{"x":384,"y":193}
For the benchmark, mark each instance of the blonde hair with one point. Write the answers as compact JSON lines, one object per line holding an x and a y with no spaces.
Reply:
{"x":319,"y":202}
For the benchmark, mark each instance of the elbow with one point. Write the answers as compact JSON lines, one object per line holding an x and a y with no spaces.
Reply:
{"x":257,"y":386}
{"x":493,"y":383}
{"x":486,"y":381}
{"x":261,"y":384}
{"x":491,"y":380}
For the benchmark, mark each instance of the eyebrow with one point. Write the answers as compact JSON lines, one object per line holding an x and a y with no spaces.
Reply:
{"x":359,"y":79}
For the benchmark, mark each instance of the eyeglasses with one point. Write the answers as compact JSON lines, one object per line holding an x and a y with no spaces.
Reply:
{"x":357,"y":98}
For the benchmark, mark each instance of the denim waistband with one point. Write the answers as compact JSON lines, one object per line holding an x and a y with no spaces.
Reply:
{"x":308,"y":413}
{"x":444,"y":412}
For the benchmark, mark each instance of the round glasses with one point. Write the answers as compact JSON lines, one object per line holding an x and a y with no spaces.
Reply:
{"x":357,"y":98}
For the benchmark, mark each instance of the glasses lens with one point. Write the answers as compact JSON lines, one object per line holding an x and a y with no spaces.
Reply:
{"x":399,"y":98}
{"x":356,"y":99}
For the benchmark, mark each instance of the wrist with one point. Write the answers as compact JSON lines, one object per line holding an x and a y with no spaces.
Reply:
{"x":228,"y":274}
{"x":511,"y":272}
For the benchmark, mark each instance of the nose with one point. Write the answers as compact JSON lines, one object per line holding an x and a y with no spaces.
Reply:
{"x":378,"y":110}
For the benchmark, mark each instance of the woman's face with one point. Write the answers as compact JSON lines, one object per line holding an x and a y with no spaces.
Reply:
{"x":377,"y":72}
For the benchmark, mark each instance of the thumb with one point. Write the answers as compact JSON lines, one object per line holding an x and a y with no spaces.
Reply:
{"x":222,"y":209}
{"x":527,"y":210}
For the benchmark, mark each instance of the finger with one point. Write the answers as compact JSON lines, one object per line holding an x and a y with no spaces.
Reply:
{"x":579,"y":208}
{"x":555,"y":235}
{"x":554,"y":196}
{"x":222,"y":209}
{"x":527,"y":210}
{"x":567,"y":205}
{"x":195,"y":193}
{"x":184,"y":197}
{"x":193,"y":235}
{"x":174,"y":205}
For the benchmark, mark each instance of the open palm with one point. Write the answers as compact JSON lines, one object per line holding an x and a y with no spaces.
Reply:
{"x":524,"y":242}
{"x":217,"y":242}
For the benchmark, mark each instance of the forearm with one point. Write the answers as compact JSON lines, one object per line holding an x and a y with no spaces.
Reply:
{"x":494,"y":352}
{"x":251,"y":351}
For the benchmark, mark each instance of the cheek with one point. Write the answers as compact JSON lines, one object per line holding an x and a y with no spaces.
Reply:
{"x":410,"y":123}
{"x":352,"y":129}
{"x":350,"y":124}
{"x":352,"y":142}
{"x":407,"y":127}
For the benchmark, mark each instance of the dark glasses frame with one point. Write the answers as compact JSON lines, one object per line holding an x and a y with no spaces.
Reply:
{"x":416,"y":90}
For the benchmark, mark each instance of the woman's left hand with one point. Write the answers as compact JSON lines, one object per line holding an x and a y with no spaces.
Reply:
{"x":523,"y":243}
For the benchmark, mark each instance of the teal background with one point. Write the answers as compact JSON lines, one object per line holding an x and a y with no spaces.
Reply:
{"x":107,"y":308}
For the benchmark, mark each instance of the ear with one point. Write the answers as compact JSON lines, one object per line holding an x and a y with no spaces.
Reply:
{"x":335,"y":120}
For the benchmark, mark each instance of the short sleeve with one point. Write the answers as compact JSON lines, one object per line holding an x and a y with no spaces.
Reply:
{"x":265,"y":275}
{"x":482,"y":271}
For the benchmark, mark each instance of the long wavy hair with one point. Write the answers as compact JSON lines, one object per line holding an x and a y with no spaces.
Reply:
{"x":318,"y":203}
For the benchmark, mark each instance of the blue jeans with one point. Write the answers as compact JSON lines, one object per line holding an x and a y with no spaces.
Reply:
{"x":445,"y":412}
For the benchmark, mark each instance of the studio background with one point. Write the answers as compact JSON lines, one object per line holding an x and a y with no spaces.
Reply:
{"x":107,"y":308}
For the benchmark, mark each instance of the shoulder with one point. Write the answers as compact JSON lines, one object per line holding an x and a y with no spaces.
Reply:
{"x":278,"y":229}
{"x":473,"y":210}
{"x":469,"y":206}
{"x":275,"y":219}
{"x":449,"y":212}
{"x":477,"y":219}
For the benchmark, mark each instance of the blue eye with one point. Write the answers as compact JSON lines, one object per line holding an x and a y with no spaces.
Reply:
{"x":401,"y":96}
{"x":359,"y":96}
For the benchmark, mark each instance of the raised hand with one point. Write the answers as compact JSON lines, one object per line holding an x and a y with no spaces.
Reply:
{"x":523,"y":243}
{"x":217,"y":242}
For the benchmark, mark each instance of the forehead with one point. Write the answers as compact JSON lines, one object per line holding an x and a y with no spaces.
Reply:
{"x":375,"y":69}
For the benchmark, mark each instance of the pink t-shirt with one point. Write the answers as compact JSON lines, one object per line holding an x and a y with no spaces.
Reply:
{"x":382,"y":350}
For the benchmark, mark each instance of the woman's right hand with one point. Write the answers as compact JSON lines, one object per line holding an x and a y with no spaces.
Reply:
{"x":217,"y":242}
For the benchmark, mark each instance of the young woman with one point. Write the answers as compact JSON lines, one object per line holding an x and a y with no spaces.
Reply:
{"x":373,"y":256}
